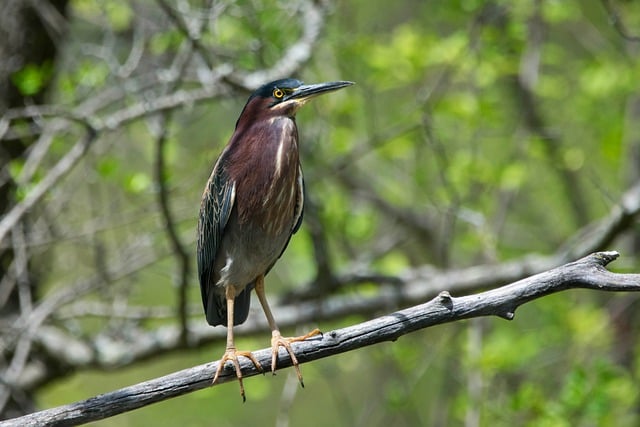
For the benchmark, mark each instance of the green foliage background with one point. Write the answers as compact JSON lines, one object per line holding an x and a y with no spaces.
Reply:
{"x":436,"y":127}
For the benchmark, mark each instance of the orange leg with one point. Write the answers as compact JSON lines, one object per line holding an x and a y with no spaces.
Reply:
{"x":231,"y":353}
{"x":277,"y":340}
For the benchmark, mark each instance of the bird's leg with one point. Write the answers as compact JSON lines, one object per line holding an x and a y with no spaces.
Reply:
{"x":277,"y":339}
{"x":231,"y":353}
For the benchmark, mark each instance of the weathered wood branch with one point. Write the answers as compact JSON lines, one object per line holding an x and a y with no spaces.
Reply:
{"x":587,"y":273}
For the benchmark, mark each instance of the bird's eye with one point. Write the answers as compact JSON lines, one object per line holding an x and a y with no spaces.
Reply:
{"x":278,"y":93}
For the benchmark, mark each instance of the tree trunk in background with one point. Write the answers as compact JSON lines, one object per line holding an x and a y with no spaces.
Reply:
{"x":624,"y":310}
{"x":30,"y":35}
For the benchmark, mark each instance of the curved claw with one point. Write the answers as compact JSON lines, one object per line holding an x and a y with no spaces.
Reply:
{"x":277,"y":341}
{"x":231,"y":354}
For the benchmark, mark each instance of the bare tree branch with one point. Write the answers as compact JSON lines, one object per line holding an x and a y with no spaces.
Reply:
{"x":618,"y":24}
{"x":290,"y":61}
{"x":192,"y":36}
{"x":533,"y":117}
{"x":586,"y":273}
{"x":599,"y":234}
{"x":412,"y":286}
{"x":313,"y":13}
{"x":41,"y":188}
{"x":594,"y":237}
{"x":408,"y":288}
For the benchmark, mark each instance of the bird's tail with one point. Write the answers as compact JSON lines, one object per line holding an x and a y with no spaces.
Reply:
{"x":216,"y":309}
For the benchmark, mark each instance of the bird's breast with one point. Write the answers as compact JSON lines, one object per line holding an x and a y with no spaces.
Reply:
{"x":279,"y":199}
{"x":268,"y":195}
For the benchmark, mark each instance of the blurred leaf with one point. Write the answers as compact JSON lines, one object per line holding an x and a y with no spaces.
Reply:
{"x":166,"y":41}
{"x":601,"y":79}
{"x":92,"y":74}
{"x":32,"y":78}
{"x":138,"y":182}
{"x":574,"y":158}
{"x":119,"y":14}
{"x":15,"y":167}
{"x":559,"y":11}
{"x":107,"y":166}
{"x":513,"y":176}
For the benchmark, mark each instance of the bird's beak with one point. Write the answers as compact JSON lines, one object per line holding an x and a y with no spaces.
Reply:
{"x":305,"y":92}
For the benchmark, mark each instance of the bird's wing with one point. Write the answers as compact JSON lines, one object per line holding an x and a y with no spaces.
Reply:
{"x":216,"y":206}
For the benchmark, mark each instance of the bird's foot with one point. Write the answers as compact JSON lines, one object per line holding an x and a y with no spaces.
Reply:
{"x":231,"y":354}
{"x":277,"y":341}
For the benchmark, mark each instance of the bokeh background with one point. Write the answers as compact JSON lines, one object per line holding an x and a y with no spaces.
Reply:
{"x":479,"y":133}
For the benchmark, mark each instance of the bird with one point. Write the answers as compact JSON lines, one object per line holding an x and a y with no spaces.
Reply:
{"x":252,"y":204}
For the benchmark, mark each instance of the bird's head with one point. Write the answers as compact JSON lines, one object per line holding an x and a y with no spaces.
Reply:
{"x":284,"y":97}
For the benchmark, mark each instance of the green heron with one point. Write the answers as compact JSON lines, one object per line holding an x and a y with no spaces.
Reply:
{"x":251,"y":206}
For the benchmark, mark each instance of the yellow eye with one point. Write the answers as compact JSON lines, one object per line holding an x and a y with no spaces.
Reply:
{"x":278,"y":93}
